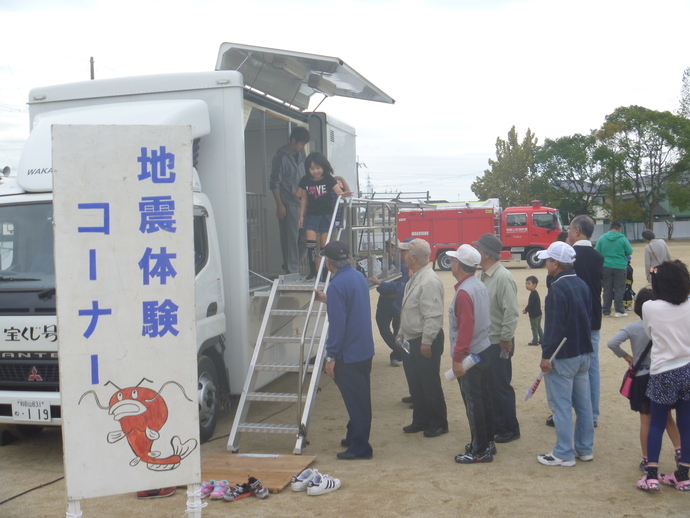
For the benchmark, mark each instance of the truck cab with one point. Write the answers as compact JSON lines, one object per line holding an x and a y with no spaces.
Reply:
{"x":528,"y":229}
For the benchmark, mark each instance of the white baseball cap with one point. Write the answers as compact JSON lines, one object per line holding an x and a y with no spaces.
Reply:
{"x":558,"y":251}
{"x":467,"y":255}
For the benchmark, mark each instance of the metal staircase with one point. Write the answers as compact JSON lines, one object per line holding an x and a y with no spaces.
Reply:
{"x":310,"y":343}
{"x":357,"y":219}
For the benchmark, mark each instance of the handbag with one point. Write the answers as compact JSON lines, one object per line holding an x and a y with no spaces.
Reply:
{"x":629,"y":376}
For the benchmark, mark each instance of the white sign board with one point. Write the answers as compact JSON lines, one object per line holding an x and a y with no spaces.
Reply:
{"x":124,"y":264}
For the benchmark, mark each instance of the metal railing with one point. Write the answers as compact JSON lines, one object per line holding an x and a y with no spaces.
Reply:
{"x":257,"y":242}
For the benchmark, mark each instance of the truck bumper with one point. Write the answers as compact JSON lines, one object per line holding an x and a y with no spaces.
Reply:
{"x":9,"y":397}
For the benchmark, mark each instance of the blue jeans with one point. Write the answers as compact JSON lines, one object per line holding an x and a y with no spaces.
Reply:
{"x":567,"y":388}
{"x":594,"y":376}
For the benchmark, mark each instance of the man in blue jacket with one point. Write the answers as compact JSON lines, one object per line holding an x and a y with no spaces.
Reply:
{"x":615,"y":248}
{"x":568,"y":314}
{"x":349,"y":346}
{"x":389,"y":305}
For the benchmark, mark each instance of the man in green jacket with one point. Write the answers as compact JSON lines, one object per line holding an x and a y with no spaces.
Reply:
{"x":615,"y":248}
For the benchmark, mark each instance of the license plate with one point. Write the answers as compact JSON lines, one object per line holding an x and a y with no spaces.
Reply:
{"x":31,"y":410}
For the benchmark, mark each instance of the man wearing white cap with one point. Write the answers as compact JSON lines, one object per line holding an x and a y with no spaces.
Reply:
{"x":421,"y":324}
{"x":470,"y":317}
{"x":568,"y":314}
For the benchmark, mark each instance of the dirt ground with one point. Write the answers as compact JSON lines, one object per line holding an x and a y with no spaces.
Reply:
{"x":410,"y":475}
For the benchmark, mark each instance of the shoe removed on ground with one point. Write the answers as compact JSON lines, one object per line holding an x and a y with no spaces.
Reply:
{"x":301,"y":481}
{"x":257,"y":488}
{"x":322,"y":484}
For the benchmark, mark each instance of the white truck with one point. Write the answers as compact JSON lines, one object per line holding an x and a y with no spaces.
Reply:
{"x":240,"y":114}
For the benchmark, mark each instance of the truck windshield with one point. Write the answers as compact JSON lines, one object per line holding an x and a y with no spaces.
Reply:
{"x":26,"y":247}
{"x":546,"y":220}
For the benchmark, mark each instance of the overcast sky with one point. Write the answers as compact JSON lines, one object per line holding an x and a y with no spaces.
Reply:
{"x":462,"y":72}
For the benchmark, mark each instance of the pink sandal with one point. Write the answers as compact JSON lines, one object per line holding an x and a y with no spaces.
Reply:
{"x":670,"y":480}
{"x":648,"y":484}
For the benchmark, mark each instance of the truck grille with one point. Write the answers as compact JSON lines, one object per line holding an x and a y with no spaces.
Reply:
{"x":20,"y":375}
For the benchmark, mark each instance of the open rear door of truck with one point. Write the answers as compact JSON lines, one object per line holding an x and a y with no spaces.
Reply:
{"x":293,"y":77}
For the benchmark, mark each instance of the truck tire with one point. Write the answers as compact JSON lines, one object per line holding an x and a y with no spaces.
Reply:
{"x":443,"y":261}
{"x":532,"y":260}
{"x":209,"y":404}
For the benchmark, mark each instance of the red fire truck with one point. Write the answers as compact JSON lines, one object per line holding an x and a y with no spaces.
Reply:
{"x":523,"y":230}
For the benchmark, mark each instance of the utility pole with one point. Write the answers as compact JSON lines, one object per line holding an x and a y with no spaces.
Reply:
{"x":359,"y":166}
{"x":92,"y":74}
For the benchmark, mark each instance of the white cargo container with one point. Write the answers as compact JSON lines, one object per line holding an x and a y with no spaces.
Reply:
{"x":240,"y":115}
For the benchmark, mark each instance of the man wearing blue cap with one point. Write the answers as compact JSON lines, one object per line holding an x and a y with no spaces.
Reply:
{"x":349,"y":346}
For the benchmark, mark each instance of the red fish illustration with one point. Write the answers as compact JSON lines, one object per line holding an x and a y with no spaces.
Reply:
{"x":141,"y":413}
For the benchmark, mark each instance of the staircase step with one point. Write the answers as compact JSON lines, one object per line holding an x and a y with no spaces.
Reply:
{"x":280,"y":367}
{"x":307,"y":286}
{"x":288,"y":339}
{"x":276,"y":397}
{"x":268,"y":428}
{"x":289,"y":312}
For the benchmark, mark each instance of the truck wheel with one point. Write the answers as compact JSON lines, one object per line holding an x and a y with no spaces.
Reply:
{"x":532,"y":260}
{"x":443,"y":262}
{"x":209,"y":405}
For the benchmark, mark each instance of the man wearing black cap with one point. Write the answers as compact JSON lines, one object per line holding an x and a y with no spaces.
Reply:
{"x":504,"y":320}
{"x":349,"y":346}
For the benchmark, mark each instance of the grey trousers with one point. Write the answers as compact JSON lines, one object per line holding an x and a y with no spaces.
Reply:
{"x":613,"y":283}
{"x":293,"y":241}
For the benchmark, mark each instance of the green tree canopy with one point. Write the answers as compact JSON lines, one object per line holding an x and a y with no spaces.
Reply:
{"x":511,"y":174}
{"x":651,"y":149}
{"x":572,"y":172}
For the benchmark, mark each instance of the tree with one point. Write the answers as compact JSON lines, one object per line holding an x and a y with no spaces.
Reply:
{"x":684,"y":108}
{"x":573,"y":170}
{"x":511,"y":174}
{"x":651,"y":149}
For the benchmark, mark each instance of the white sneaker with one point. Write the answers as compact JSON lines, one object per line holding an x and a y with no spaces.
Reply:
{"x":322,"y":484}
{"x":618,"y":315}
{"x":549,"y":459}
{"x":300,"y":482}
{"x":585,"y":458}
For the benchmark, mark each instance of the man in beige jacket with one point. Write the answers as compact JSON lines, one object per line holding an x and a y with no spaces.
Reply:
{"x":421,"y":324}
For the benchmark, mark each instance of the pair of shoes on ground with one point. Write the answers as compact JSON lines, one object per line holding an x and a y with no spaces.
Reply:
{"x":471,"y":458}
{"x":315,"y":483}
{"x":253,"y":486}
{"x":407,"y":399}
{"x":619,"y":315}
{"x":648,"y":483}
{"x":534,"y":342}
{"x":491,"y":448}
{"x":549,"y":459}
{"x":346,"y":455}
{"x":156,"y":493}
{"x":396,"y":363}
{"x":428,"y":432}
{"x":549,"y":421}
{"x":507,"y":437}
{"x":221,"y":490}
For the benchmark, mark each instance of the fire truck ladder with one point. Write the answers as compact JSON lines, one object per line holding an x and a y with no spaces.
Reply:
{"x":311,"y":343}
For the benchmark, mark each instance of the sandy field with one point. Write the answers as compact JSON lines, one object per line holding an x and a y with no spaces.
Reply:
{"x":410,"y":475}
